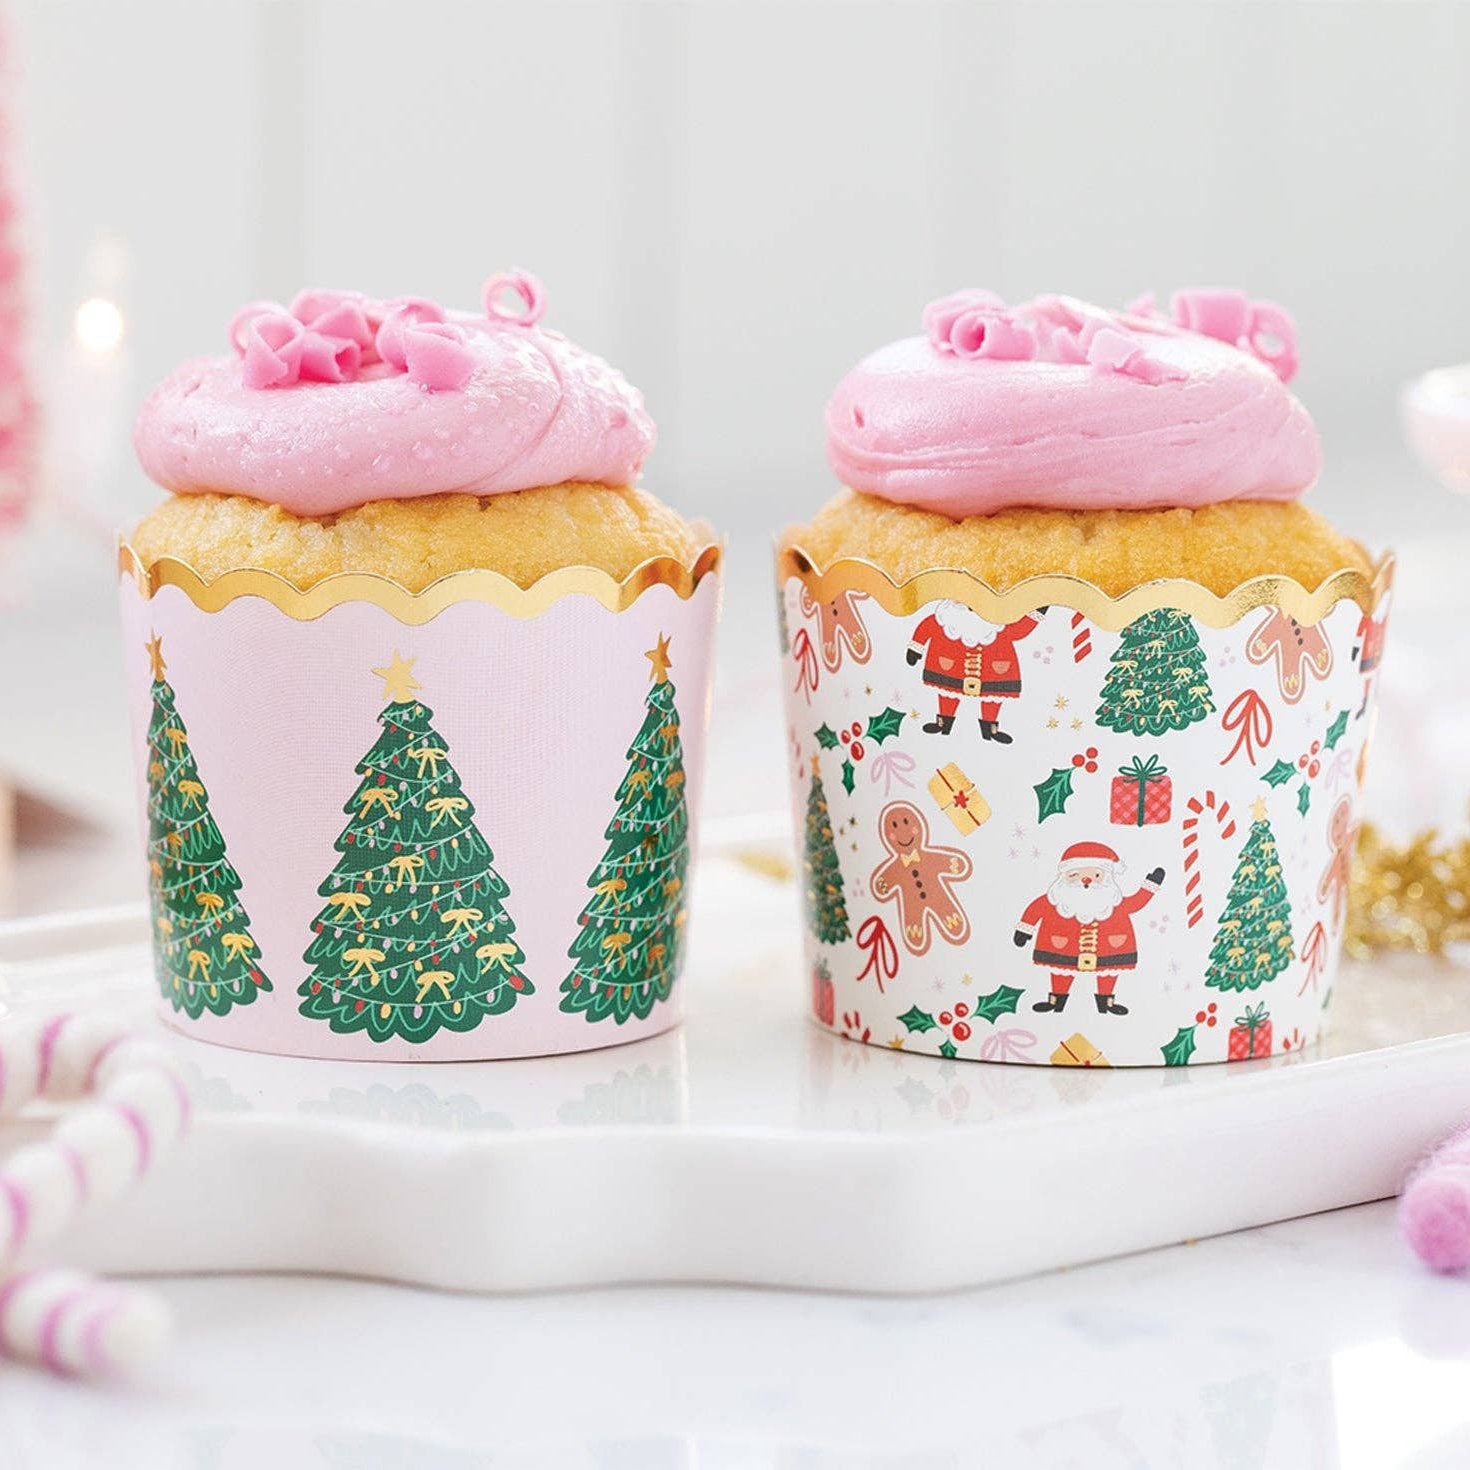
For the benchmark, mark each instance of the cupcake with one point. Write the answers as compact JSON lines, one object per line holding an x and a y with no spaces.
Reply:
{"x":1082,"y":690}
{"x":419,"y":677}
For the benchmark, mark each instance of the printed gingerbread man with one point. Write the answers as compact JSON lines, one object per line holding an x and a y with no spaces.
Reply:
{"x":838,"y":622}
{"x":921,"y":877}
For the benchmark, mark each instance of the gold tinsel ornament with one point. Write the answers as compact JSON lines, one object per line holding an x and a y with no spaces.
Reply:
{"x":1410,"y":896}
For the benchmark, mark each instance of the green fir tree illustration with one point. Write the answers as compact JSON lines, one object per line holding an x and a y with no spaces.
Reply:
{"x":826,"y":909}
{"x":205,"y":957}
{"x":1156,"y":679}
{"x":414,"y":936}
{"x":629,"y":935}
{"x":1253,"y":943}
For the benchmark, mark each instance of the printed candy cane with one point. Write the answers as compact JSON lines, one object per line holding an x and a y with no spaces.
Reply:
{"x":1081,"y":638}
{"x":1197,"y":806}
{"x":140,"y":1108}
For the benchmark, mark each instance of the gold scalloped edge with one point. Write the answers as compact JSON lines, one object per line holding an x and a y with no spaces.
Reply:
{"x":414,"y":608}
{"x":901,"y":599}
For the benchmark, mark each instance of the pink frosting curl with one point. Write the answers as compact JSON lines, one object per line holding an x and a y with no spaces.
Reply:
{"x":372,"y":400}
{"x":1103,"y":409}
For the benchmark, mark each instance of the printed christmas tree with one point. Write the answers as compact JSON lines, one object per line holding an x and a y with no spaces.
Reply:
{"x":825,"y":909}
{"x":629,"y":935}
{"x":1156,"y":679}
{"x":204,"y":956}
{"x":414,"y":936}
{"x":1253,"y":943}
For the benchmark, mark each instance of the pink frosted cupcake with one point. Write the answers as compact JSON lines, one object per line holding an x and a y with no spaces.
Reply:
{"x":404,"y":556}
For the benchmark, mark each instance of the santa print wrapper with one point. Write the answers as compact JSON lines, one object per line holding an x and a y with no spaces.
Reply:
{"x":448,"y":826}
{"x":1171,"y":808}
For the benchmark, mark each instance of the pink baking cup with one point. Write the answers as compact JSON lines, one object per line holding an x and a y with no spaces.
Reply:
{"x":440,"y":826}
{"x":1055,"y":826}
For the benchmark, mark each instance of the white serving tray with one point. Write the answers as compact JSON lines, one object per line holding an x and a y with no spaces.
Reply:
{"x":750,"y":1146}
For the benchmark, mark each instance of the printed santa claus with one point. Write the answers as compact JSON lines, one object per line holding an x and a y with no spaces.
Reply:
{"x":1083,"y":922}
{"x":965,"y":655}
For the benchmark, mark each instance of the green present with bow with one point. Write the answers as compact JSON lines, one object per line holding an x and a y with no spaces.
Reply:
{"x":1250,"y":1036}
{"x":1142,"y":793}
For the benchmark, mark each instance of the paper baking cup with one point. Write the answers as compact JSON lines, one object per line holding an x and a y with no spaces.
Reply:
{"x":1145,"y":864}
{"x":449,"y":825}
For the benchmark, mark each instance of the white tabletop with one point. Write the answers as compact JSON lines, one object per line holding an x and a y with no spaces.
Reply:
{"x":1315,"y":1343}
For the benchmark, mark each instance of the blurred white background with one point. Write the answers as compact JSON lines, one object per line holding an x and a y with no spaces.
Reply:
{"x":732,"y":201}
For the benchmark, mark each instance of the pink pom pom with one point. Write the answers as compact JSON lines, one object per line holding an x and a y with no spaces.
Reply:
{"x":437,"y":356}
{"x":273,"y":342}
{"x":517,"y":283}
{"x":1434,"y":1215}
{"x":411,"y":311}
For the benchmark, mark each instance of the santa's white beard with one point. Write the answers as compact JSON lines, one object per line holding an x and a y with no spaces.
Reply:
{"x":1086,"y":905}
{"x":964,"y":625}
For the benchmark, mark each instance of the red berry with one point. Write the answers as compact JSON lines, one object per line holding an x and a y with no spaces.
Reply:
{"x":1199,"y":1017}
{"x":1092,"y":752}
{"x":1301,"y":762}
{"x":945,"y":1018}
{"x":1316,"y":746}
{"x":962,"y":1009}
{"x":845,"y":737}
{"x":1079,"y":760}
{"x":961,"y":1031}
{"x":1092,"y":765}
{"x":1314,"y":768}
{"x":857,"y":729}
{"x":857,"y":750}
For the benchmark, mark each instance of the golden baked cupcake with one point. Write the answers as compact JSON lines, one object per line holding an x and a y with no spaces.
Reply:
{"x":1104,"y":746}
{"x":406,"y":576}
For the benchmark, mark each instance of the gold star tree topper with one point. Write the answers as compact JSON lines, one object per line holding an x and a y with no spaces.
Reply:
{"x":155,"y":657}
{"x":398,"y":680}
{"x":659,"y":658}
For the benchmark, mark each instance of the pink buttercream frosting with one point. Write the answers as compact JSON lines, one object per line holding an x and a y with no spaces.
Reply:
{"x":1058,"y":404}
{"x":340,"y":399}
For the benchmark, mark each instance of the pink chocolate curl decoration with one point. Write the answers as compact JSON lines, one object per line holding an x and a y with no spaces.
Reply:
{"x":329,"y":359}
{"x":1261,"y":328}
{"x":1110,"y":349}
{"x":437,"y":356}
{"x":345,"y":315}
{"x":271,"y":341}
{"x":517,"y":283}
{"x":975,"y":323}
{"x":411,"y":311}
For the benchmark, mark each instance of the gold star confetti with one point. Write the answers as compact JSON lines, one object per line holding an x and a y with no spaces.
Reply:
{"x":398,"y":680}
{"x":1052,"y":723}
{"x":1062,"y":701}
{"x":896,"y":1043}
{"x":1077,"y":722}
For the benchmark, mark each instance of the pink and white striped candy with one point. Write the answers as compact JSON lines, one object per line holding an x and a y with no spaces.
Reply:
{"x":1189,"y":840}
{"x":139,"y":1108}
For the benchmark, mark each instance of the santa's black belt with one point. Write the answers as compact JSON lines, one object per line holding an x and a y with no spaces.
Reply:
{"x":1075,"y":962}
{"x":986,"y":686}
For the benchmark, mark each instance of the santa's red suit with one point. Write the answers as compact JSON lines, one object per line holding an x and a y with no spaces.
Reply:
{"x":960,"y":659}
{"x":1103,"y":946}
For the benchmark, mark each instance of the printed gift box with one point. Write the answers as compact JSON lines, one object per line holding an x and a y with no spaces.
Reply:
{"x":1141,"y":793}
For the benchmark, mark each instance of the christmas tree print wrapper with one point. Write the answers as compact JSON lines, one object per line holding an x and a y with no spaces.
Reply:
{"x":446,"y":826}
{"x":1053,"y":825}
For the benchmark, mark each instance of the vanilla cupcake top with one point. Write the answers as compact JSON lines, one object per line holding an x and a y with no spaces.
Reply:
{"x":340,"y":399}
{"x":1057,"y":404}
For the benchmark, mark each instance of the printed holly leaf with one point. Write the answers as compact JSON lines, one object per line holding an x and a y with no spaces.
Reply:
{"x":1303,"y":798}
{"x":916,"y":1020}
{"x":880,"y":727}
{"x":1178,"y":1052}
{"x":1053,"y":794}
{"x":849,"y":780}
{"x":948,"y":1050}
{"x":1000,"y":1002}
{"x":826,"y":738}
{"x":1279,"y":774}
{"x":1335,"y":731}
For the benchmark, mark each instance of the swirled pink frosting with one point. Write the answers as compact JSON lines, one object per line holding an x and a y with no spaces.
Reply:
{"x":1058,"y":404}
{"x":341,"y":399}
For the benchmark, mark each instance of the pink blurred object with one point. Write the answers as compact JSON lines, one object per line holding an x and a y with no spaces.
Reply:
{"x":1434,"y":1208}
{"x":18,"y":417}
{"x":1435,"y":412}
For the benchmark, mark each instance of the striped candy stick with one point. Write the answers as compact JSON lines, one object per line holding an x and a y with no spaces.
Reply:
{"x":139,"y":1107}
{"x":1081,"y":638}
{"x":1196,"y":808}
